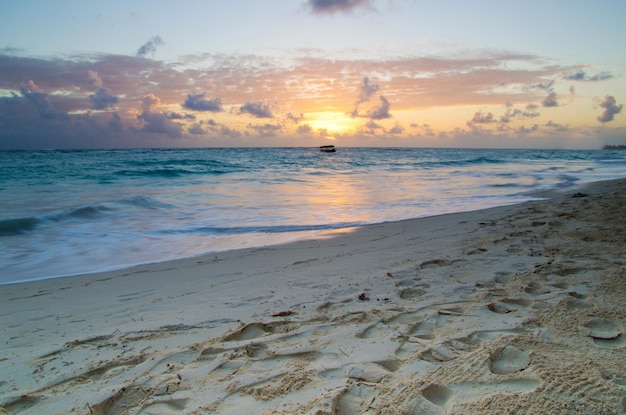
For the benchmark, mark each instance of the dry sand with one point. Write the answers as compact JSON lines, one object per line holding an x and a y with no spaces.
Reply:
{"x":517,"y":309}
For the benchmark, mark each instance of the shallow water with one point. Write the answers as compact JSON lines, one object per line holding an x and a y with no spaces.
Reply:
{"x":70,"y":212}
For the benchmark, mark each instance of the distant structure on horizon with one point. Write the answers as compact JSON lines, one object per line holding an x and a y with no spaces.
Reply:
{"x":615,"y":147}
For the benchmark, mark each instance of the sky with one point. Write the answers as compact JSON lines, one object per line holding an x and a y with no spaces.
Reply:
{"x":255,"y":73}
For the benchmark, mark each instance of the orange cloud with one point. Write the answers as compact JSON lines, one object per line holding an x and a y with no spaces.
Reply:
{"x":495,"y":93}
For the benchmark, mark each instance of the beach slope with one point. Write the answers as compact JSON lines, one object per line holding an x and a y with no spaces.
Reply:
{"x":516,"y":309}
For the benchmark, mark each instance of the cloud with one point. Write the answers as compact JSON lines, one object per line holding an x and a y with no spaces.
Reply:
{"x":266,"y":129}
{"x":198,"y":102}
{"x":512,"y":113}
{"x":116,"y":122}
{"x":602,"y":76}
{"x":414,"y":82}
{"x":544,"y":85}
{"x":304,"y":129}
{"x":532,"y":107}
{"x":524,"y":130}
{"x":610,"y":109}
{"x":337,"y":6}
{"x":427,"y":130}
{"x":381,"y":112}
{"x":179,"y":116}
{"x":550,"y":100}
{"x":36,"y":96}
{"x":150,"y":47}
{"x":396,"y":129}
{"x":102,"y":99}
{"x":258,"y":109}
{"x":229,"y":132}
{"x":31,"y":87}
{"x":196,"y":129}
{"x":366,"y":90}
{"x":157,"y":122}
{"x":556,"y":126}
{"x":481,"y":118}
{"x":96,"y":80}
{"x":373,"y":125}
{"x":68,"y":86}
{"x":581,"y":75}
{"x":9,"y":50}
{"x":575,"y":76}
{"x":295,"y":119}
{"x":149,"y":102}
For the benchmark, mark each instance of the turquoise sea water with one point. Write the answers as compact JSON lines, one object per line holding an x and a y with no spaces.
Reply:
{"x":71,"y":212}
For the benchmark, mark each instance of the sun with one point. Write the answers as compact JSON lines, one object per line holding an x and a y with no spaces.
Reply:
{"x":331,"y":122}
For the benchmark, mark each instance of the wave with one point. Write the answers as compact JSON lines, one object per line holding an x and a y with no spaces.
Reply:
{"x":171,"y":168}
{"x":458,"y":163}
{"x":510,"y":185}
{"x":171,"y":172}
{"x":10,"y":227}
{"x":234,"y":230}
{"x":484,"y":160}
{"x":566,"y":181}
{"x":145,"y":202}
{"x":18,"y":226}
{"x":153,"y":173}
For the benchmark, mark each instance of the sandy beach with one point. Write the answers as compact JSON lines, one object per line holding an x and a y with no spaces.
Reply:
{"x":517,"y":309}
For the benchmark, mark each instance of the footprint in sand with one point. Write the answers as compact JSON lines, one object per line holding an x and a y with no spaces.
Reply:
{"x":410,"y":293}
{"x":561,"y":285}
{"x":253,"y":330}
{"x":355,"y":400}
{"x":417,"y":334}
{"x":368,"y":372}
{"x":249,"y":331}
{"x":434,"y":400}
{"x":424,"y":330}
{"x":165,"y":406}
{"x":448,"y":350}
{"x":606,"y":333}
{"x":439,"y":395}
{"x":577,"y":301}
{"x":118,"y":404}
{"x":374,"y":330}
{"x":439,"y":353}
{"x":20,"y":404}
{"x":502,"y":277}
{"x":509,"y":359}
{"x":508,"y":305}
{"x":537,"y":289}
{"x":409,"y":288}
{"x":476,"y":251}
{"x":436,"y":263}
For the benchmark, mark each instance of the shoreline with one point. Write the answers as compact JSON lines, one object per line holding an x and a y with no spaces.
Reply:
{"x":311,"y":234}
{"x":122,"y":211}
{"x":125,"y":211}
{"x":467,"y":312}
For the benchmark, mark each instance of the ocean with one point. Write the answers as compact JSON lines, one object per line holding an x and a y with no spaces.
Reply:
{"x":72,"y":212}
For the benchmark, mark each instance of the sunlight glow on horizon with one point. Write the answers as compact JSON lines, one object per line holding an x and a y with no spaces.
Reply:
{"x":332,"y":122}
{"x":443,"y":74}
